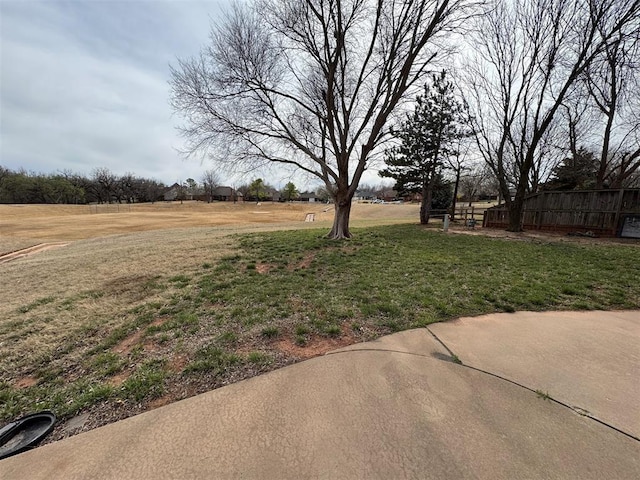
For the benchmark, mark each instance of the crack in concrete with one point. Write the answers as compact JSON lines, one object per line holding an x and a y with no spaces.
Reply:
{"x":378,"y":350}
{"x":437,"y":355}
{"x":580,"y":411}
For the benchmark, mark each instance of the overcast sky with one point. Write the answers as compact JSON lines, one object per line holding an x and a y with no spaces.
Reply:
{"x":84,"y":84}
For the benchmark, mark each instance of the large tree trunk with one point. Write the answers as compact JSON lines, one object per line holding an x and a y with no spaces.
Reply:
{"x":340,"y":228}
{"x":515,"y":214}
{"x":425,"y":205}
{"x":516,"y":206}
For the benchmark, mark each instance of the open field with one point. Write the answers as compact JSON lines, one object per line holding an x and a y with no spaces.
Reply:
{"x":24,"y":225}
{"x":115,"y":323}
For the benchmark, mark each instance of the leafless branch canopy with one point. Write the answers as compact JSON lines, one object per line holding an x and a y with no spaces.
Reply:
{"x":528,"y":57}
{"x":309,"y":83}
{"x":613,"y":84}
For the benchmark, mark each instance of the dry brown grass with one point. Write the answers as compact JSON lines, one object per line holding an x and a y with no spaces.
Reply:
{"x":63,"y":311}
{"x":46,"y":223}
{"x":58,"y":299}
{"x":24,"y":225}
{"x":54,"y":296}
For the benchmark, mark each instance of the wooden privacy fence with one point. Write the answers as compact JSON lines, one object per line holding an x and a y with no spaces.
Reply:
{"x":597,"y":211}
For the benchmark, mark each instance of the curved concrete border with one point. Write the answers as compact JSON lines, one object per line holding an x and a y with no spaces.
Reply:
{"x":387,"y":409}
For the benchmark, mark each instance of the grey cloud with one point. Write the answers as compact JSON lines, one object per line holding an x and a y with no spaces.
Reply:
{"x":84,"y":85}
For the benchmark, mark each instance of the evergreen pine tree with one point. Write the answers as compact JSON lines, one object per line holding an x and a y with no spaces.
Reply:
{"x":427,"y":137}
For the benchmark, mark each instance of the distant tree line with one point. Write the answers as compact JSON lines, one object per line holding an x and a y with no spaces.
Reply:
{"x":581,"y":170}
{"x":102,"y":186}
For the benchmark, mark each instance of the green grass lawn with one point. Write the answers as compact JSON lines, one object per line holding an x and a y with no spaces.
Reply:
{"x":405,"y":276}
{"x":226,"y":319}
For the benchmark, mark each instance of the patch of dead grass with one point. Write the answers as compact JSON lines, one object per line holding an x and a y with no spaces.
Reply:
{"x":317,"y":345}
{"x":264,"y":268}
{"x":125,"y":346}
{"x":57,"y":306}
{"x":26,"y":382}
{"x":119,"y":378}
{"x":304,"y":263}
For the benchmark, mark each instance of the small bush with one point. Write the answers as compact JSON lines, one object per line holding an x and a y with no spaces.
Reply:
{"x":333,"y":330}
{"x":227,"y":338}
{"x":302,"y":330}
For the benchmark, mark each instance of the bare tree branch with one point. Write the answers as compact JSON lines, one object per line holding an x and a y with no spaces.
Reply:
{"x":530,"y":55}
{"x":310,"y":83}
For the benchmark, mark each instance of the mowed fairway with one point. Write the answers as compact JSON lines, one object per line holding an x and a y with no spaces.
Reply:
{"x":155,"y":303}
{"x":22,"y":225}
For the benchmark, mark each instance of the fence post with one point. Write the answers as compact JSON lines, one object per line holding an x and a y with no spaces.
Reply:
{"x":614,"y":227}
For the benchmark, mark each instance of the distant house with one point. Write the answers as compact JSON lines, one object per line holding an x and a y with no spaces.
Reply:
{"x":225,"y":194}
{"x":412,"y":197}
{"x":172,"y":192}
{"x":389,"y":195}
{"x":309,"y":197}
{"x":364,"y":196}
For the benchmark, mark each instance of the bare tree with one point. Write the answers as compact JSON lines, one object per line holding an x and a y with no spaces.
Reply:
{"x":210,"y":181}
{"x":461,"y":161}
{"x":548,"y":155}
{"x":310,"y":84}
{"x":577,"y":120}
{"x":529,"y":56}
{"x":613,"y":83}
{"x":124,"y":188}
{"x":150,"y":190}
{"x":471,"y":183}
{"x":105,"y":183}
{"x":634,"y":180}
